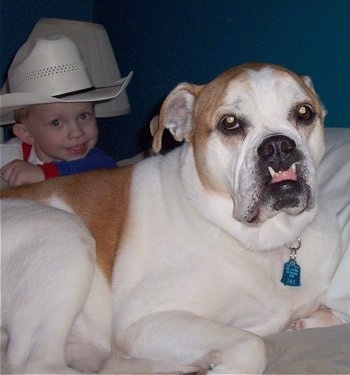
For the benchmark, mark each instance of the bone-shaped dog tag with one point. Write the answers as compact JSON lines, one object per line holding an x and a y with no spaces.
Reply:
{"x":291,"y":273}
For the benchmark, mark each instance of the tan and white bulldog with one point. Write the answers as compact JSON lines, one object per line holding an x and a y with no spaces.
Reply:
{"x":198,"y":252}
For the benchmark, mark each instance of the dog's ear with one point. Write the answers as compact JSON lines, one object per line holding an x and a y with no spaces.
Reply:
{"x":308,"y":81}
{"x":175,"y":115}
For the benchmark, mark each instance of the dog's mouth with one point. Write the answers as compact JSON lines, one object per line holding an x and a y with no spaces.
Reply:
{"x":282,"y":181}
{"x":279,"y":189}
{"x":283,"y":175}
{"x":285,"y":189}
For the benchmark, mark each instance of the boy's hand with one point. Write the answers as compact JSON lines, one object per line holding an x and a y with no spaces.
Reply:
{"x":19,"y":172}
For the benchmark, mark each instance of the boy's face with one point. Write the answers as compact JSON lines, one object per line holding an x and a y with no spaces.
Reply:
{"x":61,"y":131}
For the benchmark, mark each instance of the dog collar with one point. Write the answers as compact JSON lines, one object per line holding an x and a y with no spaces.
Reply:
{"x":291,"y":269}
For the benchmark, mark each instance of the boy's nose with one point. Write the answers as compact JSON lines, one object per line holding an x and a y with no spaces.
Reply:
{"x":75,"y":130}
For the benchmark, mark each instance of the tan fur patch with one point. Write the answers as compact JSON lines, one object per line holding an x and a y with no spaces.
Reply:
{"x":100,"y":198}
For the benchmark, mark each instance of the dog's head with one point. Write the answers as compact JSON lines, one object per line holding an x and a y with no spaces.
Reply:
{"x":256,"y":133}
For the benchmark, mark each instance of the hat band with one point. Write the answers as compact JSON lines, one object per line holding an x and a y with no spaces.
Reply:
{"x":74,"y":92}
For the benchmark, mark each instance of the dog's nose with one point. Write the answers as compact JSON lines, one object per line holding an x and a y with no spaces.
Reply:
{"x":276,"y":148}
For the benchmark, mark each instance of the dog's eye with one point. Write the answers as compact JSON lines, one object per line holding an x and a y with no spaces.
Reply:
{"x":305,"y":112}
{"x":230,"y":123}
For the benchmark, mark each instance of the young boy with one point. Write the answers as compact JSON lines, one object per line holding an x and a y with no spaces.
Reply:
{"x":51,"y":102}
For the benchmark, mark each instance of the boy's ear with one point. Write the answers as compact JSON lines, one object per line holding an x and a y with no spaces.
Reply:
{"x":20,"y":131}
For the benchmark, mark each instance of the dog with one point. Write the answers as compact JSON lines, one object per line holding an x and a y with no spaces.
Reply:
{"x":184,"y":261}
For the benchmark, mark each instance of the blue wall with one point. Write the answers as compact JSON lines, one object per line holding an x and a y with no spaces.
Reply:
{"x":18,"y":18}
{"x":169,"y":41}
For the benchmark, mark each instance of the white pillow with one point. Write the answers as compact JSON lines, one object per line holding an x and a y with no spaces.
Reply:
{"x":334,"y":190}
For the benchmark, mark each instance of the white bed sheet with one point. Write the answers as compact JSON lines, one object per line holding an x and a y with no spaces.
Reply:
{"x":324,"y":350}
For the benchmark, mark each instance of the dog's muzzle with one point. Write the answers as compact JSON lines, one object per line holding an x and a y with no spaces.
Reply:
{"x":283,"y":174}
{"x":282,"y":179}
{"x":278,"y":155}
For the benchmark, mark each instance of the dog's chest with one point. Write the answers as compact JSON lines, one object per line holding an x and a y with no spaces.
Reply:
{"x":201,"y":269}
{"x":179,"y":260}
{"x":259,"y":301}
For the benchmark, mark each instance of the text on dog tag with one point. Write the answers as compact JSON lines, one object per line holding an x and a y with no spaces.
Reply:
{"x":291,"y":273}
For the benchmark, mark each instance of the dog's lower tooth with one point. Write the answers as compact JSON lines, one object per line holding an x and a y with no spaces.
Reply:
{"x":272,"y":172}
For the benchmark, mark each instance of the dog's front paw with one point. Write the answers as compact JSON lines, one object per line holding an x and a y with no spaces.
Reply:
{"x":320,"y":318}
{"x":248,"y":357}
{"x":85,"y":358}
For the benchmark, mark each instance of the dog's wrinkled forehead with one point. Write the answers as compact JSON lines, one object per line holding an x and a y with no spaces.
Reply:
{"x":258,"y":94}
{"x":257,"y":100}
{"x":267,"y":90}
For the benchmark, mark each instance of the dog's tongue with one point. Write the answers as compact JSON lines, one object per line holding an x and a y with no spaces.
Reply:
{"x":284,"y":175}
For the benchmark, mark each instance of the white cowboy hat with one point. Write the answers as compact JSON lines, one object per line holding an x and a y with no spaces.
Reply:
{"x":51,"y":70}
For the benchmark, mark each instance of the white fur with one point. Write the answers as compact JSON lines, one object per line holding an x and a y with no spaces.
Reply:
{"x":194,"y":286}
{"x":39,"y":304}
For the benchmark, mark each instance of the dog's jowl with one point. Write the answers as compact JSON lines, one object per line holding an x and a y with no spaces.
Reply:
{"x":186,"y":259}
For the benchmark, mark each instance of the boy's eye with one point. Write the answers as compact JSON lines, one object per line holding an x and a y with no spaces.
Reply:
{"x":55,"y":122}
{"x":84,"y":116}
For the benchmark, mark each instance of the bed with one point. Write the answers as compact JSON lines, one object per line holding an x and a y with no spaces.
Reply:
{"x":324,"y":350}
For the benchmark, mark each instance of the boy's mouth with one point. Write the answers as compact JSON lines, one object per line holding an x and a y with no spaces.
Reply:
{"x":77,"y":150}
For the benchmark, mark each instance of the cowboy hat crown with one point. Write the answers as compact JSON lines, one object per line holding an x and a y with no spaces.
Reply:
{"x":51,"y":70}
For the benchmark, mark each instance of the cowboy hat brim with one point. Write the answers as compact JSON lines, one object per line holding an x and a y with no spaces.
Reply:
{"x":13,"y":101}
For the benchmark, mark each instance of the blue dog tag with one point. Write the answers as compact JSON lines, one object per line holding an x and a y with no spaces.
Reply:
{"x":291,"y":273}
{"x":291,"y":269}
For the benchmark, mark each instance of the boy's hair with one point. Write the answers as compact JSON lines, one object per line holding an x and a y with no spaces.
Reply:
{"x":21,"y":113}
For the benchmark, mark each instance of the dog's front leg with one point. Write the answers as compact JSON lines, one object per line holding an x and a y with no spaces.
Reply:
{"x":188,"y":339}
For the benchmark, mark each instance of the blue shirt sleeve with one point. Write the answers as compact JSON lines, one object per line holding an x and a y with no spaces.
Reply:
{"x":95,"y":159}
